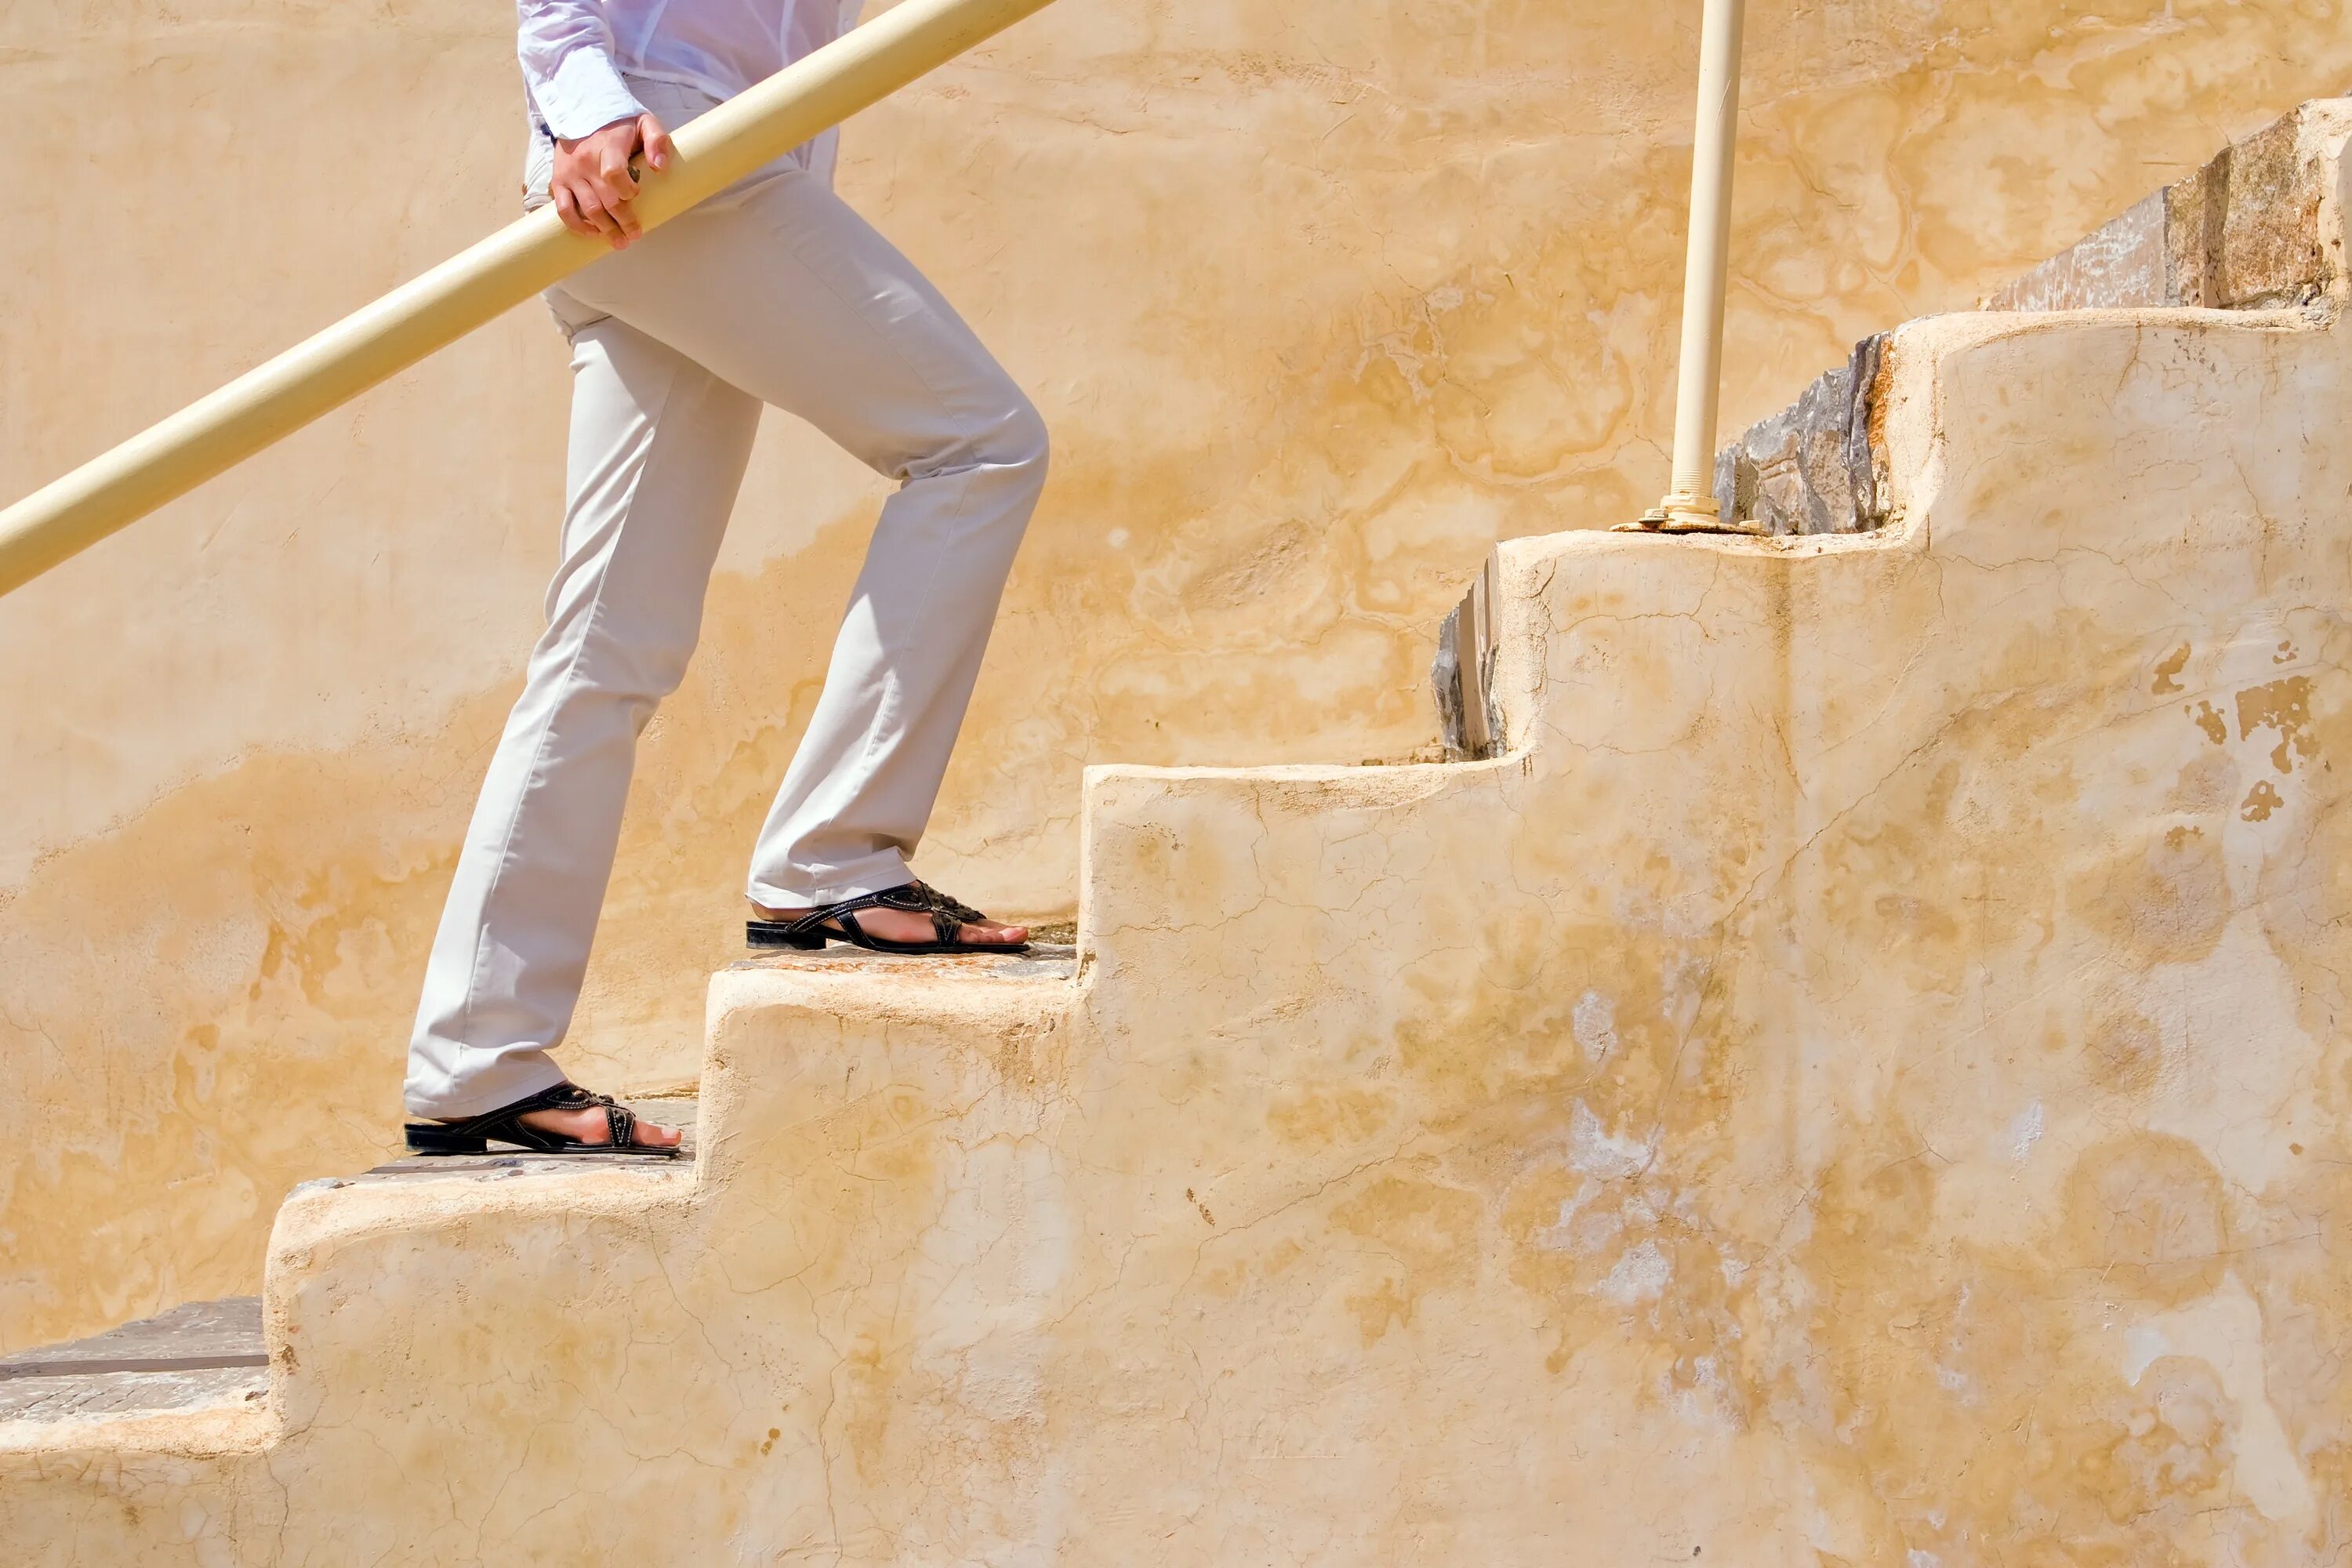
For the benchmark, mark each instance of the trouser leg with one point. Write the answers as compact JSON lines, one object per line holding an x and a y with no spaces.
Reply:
{"x":659,"y":446}
{"x":787,"y":293}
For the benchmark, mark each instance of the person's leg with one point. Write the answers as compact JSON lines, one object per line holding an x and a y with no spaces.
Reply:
{"x":659,"y":447}
{"x":787,"y":293}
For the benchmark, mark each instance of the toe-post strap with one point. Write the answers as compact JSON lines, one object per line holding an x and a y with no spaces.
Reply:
{"x":964,"y":914}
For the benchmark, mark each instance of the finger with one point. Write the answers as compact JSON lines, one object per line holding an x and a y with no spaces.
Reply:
{"x":617,"y":188}
{"x":568,"y":209}
{"x":615,"y":200}
{"x":587,"y":216}
{"x":613,"y":169}
{"x":594,"y":212}
{"x":655,"y":141}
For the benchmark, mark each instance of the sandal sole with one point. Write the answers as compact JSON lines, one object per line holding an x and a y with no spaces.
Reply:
{"x":772,"y":934}
{"x":459,"y":1147}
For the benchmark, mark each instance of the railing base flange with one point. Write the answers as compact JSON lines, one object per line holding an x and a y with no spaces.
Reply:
{"x":1689,"y":514}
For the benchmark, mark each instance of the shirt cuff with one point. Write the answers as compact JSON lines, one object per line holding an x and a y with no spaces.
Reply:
{"x":585,"y":95}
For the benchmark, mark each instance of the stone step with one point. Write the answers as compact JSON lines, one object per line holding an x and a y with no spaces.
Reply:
{"x":210,"y":1354}
{"x":1456,"y":1152}
{"x":1046,"y":959}
{"x":205,"y":1352}
{"x":2245,"y":232}
{"x":1042,"y":960}
{"x":2248,"y":231}
{"x":671,"y":1110}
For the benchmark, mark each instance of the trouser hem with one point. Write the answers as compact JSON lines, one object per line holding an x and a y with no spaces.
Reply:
{"x":809,"y":888}
{"x":515,"y":1075}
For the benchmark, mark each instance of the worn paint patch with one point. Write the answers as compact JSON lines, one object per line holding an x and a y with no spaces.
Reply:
{"x":2283,"y":707}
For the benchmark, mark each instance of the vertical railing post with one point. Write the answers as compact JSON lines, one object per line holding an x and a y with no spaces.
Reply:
{"x":1689,"y":505}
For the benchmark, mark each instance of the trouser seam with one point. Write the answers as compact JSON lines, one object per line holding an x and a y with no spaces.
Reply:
{"x":546,"y":725}
{"x":793,"y":241}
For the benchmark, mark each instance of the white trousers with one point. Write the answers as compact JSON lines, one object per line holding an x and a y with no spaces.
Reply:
{"x":772,"y":292}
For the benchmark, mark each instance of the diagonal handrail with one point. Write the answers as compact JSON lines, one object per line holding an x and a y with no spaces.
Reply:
{"x":378,"y":341}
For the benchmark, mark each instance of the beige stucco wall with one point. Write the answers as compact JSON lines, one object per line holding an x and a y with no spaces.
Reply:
{"x":1863,"y":1084}
{"x":1319,"y":301}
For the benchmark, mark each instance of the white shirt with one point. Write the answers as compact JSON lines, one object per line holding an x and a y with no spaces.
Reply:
{"x":576,"y":53}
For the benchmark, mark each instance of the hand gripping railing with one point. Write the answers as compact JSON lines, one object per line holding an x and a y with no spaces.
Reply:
{"x":266,"y":405}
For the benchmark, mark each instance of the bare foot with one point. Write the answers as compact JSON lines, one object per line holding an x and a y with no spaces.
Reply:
{"x":589,"y":1126}
{"x":910,"y":925}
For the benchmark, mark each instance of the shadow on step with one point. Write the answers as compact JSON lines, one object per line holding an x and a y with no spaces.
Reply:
{"x":206,"y":1352}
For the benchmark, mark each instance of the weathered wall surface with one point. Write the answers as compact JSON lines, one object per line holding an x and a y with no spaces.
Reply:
{"x":1319,"y":301}
{"x":1865,"y":1084}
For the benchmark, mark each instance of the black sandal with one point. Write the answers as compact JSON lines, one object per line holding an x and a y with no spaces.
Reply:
{"x":472,"y":1135}
{"x":838,"y":922}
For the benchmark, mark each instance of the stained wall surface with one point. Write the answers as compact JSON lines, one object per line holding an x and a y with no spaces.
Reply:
{"x":1926,"y":1141}
{"x":1318,"y":299}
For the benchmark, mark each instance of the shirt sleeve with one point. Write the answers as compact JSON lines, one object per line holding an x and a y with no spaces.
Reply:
{"x":567,"y":64}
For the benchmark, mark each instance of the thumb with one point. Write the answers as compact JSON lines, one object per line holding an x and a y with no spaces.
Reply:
{"x":658,"y":151}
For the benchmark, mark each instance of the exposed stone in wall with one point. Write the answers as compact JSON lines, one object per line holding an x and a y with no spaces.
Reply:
{"x":1812,"y":468}
{"x":2121,"y":264}
{"x":1868,"y":1085}
{"x":1461,"y":677}
{"x":2242,"y":233}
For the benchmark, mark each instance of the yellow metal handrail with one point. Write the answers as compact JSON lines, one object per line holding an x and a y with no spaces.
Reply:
{"x":268,"y":404}
{"x":1689,"y":506}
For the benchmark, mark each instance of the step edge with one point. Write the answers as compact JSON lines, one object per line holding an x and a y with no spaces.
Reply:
{"x":225,"y":1429}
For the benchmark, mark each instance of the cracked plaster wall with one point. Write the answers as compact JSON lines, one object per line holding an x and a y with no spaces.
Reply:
{"x":1867,"y":1085}
{"x":1319,"y":301}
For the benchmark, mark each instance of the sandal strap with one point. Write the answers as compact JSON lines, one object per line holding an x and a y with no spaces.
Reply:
{"x":566,"y":1096}
{"x":507,"y":1125}
{"x":909,"y":898}
{"x":964,"y":914}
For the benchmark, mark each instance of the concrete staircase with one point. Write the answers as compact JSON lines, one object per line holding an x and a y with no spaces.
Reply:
{"x":1859,"y":1078}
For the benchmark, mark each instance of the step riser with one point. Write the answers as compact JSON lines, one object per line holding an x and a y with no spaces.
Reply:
{"x":1888,"y":1001}
{"x":1753,"y":1097}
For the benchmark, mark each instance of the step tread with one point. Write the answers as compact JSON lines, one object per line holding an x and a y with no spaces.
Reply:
{"x":2242,"y":232}
{"x":203,"y":1353}
{"x":683,"y":1111}
{"x":1044,"y":961}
